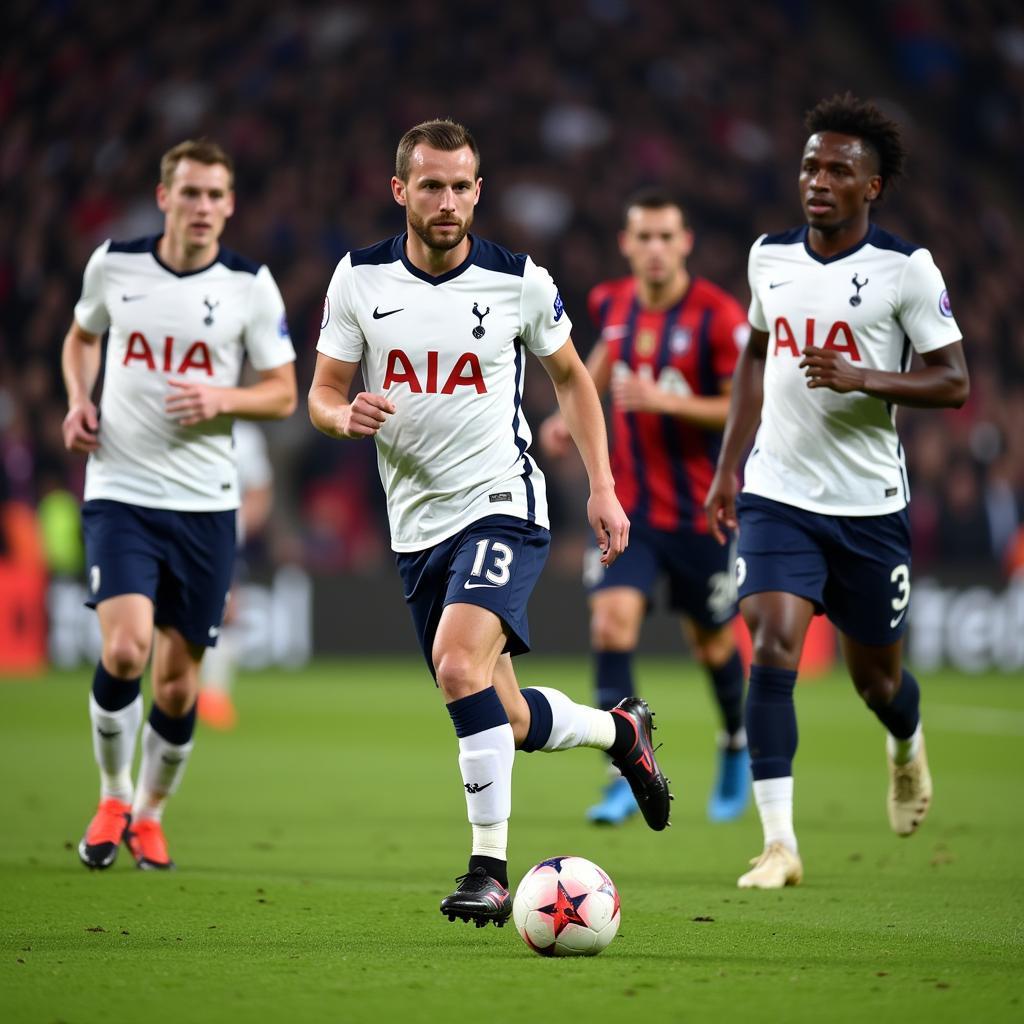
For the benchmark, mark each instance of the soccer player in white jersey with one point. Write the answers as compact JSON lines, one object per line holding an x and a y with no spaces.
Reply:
{"x":838,"y":308}
{"x":440,"y":322}
{"x":161,"y":487}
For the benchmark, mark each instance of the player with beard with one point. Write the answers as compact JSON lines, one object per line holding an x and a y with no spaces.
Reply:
{"x":838,"y":307}
{"x":440,"y":322}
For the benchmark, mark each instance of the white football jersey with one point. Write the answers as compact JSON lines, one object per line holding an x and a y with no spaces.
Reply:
{"x":166,"y":326}
{"x":819,"y":450}
{"x":449,"y":351}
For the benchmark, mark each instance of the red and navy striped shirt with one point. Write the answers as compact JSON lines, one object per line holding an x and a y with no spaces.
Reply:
{"x":662,"y":465}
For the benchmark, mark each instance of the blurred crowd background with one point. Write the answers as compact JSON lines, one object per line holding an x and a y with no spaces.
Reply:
{"x":574,"y":104}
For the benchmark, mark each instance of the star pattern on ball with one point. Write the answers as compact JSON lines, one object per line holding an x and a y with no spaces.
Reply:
{"x":564,"y":911}
{"x":552,"y":862}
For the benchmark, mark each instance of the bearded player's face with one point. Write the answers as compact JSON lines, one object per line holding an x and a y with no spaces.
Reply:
{"x":440,"y":194}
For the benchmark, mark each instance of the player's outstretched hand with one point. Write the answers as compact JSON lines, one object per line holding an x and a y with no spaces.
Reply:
{"x":609,"y":523}
{"x":190,"y":402}
{"x":827,"y":368}
{"x":364,"y":415}
{"x":81,"y":428}
{"x":555,"y":439}
{"x":720,"y":505}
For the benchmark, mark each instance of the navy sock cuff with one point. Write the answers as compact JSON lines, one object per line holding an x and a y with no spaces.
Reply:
{"x":477,"y":713}
{"x":111,"y":693}
{"x":175,"y":730}
{"x":772,"y":682}
{"x":541,"y":721}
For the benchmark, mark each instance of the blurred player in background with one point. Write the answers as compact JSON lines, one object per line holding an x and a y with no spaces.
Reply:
{"x":441,"y":323}
{"x":161,"y":485}
{"x":666,"y":351}
{"x":838,"y":307}
{"x":256,"y":493}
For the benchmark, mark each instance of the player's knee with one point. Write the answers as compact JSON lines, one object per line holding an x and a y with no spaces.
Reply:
{"x":457,"y":675}
{"x":611,"y":631}
{"x":773,"y":649}
{"x":876,"y":689}
{"x":175,"y":696}
{"x":714,"y":651}
{"x":125,"y":655}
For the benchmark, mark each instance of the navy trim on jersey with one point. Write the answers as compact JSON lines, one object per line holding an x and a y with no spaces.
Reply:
{"x":790,"y":237}
{"x":881,"y":239}
{"x":388,"y":251}
{"x":490,"y":256}
{"x":147,"y":244}
{"x":669,"y":424}
{"x":233,"y":261}
{"x":643,"y":496}
{"x":227,"y":257}
{"x":876,"y":236}
{"x":468,"y":262}
{"x":531,"y":499}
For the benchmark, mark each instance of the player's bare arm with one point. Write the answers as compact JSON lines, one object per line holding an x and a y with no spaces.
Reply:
{"x":80,"y":364}
{"x":744,"y":414}
{"x":637,"y":392}
{"x":554,"y":436}
{"x":330,"y":410}
{"x":581,"y":409}
{"x":273,"y":397}
{"x":941,"y":383}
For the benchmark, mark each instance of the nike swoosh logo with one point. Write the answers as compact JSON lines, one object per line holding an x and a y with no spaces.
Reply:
{"x":893,"y":623}
{"x":108,"y":735}
{"x":474,"y":586}
{"x":131,"y":298}
{"x":378,"y":315}
{"x":778,"y":284}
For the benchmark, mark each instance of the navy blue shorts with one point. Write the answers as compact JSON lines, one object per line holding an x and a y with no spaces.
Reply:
{"x":181,"y":561}
{"x":855,"y":569}
{"x":701,"y":579}
{"x":494,"y":563}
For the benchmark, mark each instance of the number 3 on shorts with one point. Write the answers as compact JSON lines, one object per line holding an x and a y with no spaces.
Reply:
{"x":901,"y":577}
{"x":498,"y":575}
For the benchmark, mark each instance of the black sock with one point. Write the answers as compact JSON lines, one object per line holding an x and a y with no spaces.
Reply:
{"x":497,"y":869}
{"x":625,"y":737}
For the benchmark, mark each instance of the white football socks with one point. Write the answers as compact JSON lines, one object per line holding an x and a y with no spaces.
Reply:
{"x":576,"y":725}
{"x":113,"y":743}
{"x":485,"y":761}
{"x":160,"y":772}
{"x":774,"y":799}
{"x":903,"y":751}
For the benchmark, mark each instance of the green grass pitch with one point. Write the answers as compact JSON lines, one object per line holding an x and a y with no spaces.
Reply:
{"x":315,"y":841}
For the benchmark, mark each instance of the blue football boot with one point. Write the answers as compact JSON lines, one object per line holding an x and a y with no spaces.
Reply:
{"x":731,"y":794}
{"x":617,"y":805}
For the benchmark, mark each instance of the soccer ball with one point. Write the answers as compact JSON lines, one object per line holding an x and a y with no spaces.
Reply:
{"x":566,"y":906}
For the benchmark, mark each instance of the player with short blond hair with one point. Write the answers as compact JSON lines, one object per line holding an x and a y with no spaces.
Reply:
{"x":181,"y":314}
